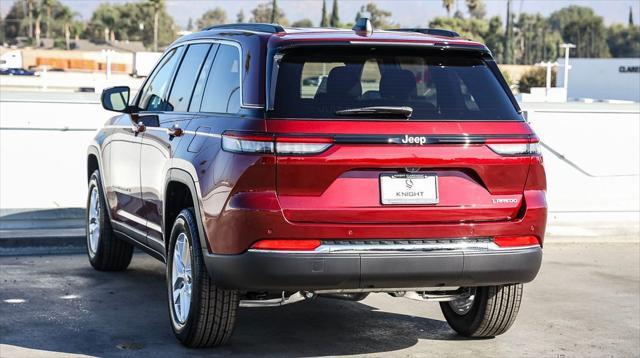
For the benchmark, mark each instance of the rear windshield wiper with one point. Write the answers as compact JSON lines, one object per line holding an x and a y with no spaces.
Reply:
{"x":404,"y":112}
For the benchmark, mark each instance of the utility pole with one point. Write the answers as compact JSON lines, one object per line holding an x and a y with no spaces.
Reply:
{"x":507,"y":36}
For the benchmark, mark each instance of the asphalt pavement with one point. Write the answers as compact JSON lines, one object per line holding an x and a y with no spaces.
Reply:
{"x":584,"y":303}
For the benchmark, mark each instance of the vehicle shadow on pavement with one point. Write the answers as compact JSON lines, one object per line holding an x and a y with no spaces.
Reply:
{"x":71,"y":308}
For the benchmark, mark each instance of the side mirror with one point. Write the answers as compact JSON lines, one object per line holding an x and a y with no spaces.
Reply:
{"x":116,"y":99}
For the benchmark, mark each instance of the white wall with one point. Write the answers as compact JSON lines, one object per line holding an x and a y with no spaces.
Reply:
{"x":602,"y":78}
{"x":42,"y":166}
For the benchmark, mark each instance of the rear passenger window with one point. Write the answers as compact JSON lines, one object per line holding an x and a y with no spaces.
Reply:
{"x":222,"y":90}
{"x":186,"y":77}
{"x":153,"y":94}
{"x":196,"y":99}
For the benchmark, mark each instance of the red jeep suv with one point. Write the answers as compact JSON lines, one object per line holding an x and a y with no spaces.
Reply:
{"x":266,"y":165}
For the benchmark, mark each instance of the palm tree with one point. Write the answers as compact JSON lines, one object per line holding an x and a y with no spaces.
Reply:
{"x":323,"y":21}
{"x":48,"y":4}
{"x":448,"y":4}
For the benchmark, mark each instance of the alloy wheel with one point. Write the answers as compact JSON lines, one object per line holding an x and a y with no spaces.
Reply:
{"x":181,"y":279}
{"x":94,"y":221}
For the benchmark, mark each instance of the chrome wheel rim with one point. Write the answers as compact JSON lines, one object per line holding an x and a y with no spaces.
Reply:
{"x":463,"y":305}
{"x":181,"y":279}
{"x":94,"y":221}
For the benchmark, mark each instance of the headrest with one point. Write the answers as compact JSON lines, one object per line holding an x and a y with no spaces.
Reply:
{"x":343,"y":82}
{"x":398,"y":84}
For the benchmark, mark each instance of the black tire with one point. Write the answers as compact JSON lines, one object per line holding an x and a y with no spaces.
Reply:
{"x":212,"y":311}
{"x":111,"y":253}
{"x":493,"y":312}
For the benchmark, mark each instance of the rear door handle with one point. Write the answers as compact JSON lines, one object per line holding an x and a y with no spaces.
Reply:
{"x":175,"y":131}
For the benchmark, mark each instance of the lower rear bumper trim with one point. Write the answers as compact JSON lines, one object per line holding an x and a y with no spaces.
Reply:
{"x":288,"y":271}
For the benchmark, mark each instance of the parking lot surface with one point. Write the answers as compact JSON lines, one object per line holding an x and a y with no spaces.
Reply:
{"x":584,"y":303}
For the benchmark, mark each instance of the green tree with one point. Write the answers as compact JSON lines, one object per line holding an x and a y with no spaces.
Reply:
{"x":123,"y":22}
{"x":324,"y":22}
{"x":494,"y":38}
{"x":264,"y":13}
{"x":448,"y":5}
{"x":472,"y":29}
{"x":15,"y":23}
{"x":274,"y":11}
{"x":477,"y":9}
{"x":380,"y":19}
{"x":240,"y":16}
{"x":624,"y":41}
{"x":190,"y":24}
{"x":213,"y":17}
{"x":303,"y":23}
{"x":2,"y":35}
{"x":581,"y":26}
{"x":630,"y":16}
{"x":335,"y":18}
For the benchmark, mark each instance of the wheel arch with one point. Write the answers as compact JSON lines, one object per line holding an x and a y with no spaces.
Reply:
{"x":181,"y":191}
{"x":94,"y":162}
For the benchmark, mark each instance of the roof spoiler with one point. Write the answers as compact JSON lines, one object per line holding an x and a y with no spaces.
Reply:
{"x":436,"y":32}
{"x":255,"y":27}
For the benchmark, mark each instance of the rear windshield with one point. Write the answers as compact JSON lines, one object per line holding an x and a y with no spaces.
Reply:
{"x":437,"y":85}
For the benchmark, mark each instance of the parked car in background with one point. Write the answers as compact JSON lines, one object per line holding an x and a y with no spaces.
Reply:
{"x":16,"y":72}
{"x":411,"y":171}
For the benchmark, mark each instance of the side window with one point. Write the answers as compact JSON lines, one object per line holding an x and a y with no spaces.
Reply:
{"x":222,"y":91}
{"x":152,"y":98}
{"x":196,"y":99}
{"x":186,"y":77}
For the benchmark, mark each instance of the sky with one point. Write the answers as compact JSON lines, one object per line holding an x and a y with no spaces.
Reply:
{"x":405,"y":12}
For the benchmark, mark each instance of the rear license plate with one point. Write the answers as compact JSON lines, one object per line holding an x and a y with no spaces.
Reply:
{"x":408,"y":189}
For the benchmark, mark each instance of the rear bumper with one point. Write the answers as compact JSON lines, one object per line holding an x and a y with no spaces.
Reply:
{"x":293,"y":271}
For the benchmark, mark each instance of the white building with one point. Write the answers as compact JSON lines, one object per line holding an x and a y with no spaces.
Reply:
{"x":602,"y":78}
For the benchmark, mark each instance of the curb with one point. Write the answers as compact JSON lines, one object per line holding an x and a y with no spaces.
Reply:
{"x":42,"y":241}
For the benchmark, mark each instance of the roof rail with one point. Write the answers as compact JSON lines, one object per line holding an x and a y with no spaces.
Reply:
{"x":436,"y":32}
{"x":256,"y":27}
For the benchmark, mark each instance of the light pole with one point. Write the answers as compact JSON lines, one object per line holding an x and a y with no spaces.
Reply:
{"x":566,"y":48}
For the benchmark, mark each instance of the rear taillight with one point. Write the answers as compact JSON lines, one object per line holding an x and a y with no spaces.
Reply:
{"x":516,"y":241}
{"x":302,"y":145}
{"x":247,"y":143}
{"x":515,"y":149}
{"x":287,"y":245}
{"x":238,"y":142}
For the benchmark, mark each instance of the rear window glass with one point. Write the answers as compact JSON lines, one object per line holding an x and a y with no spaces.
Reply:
{"x":436,"y":85}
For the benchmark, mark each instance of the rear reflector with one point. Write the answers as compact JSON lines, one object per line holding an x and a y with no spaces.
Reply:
{"x":515,"y":241}
{"x":287,"y":245}
{"x":239,"y":142}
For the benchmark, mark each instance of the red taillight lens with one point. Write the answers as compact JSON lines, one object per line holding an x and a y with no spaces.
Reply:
{"x":287,"y":245}
{"x":239,"y":142}
{"x":515,"y":241}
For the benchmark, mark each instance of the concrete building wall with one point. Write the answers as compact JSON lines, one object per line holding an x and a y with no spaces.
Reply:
{"x":602,"y":78}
